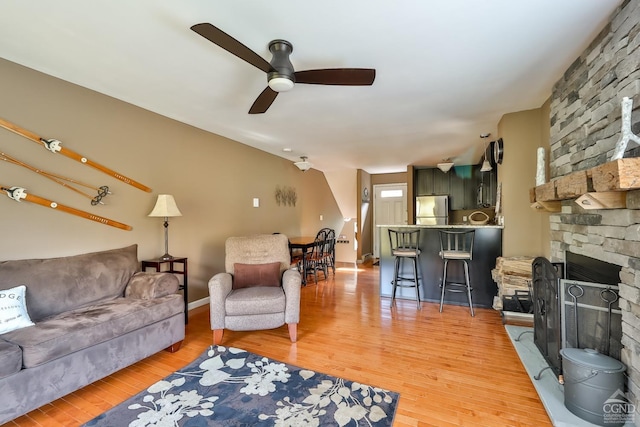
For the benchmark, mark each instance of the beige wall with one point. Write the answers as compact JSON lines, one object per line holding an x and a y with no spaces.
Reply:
{"x":365,"y":216}
{"x":526,"y":231}
{"x":344,"y":186}
{"x":389,"y":178}
{"x":213,"y":179}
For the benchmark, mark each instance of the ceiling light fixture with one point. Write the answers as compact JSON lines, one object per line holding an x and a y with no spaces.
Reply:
{"x":303,"y":165}
{"x":445,"y":166}
{"x":280,"y":84}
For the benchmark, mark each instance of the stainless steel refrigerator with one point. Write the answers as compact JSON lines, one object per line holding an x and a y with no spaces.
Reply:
{"x":432,"y":210}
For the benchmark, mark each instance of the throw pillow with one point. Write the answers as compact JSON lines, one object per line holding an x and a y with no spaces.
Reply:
{"x":13,"y":309}
{"x":248,"y":275}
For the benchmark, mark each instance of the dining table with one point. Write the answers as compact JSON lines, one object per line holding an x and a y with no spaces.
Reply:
{"x":306,"y":244}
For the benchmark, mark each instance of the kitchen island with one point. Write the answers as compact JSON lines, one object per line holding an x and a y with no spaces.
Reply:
{"x":487,"y":247}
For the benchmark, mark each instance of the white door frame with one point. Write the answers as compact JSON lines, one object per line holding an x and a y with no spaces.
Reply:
{"x":376,"y":203}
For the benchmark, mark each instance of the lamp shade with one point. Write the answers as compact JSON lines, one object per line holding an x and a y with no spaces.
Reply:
{"x":165,"y":207}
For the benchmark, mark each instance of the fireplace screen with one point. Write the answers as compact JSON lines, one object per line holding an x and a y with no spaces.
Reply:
{"x":577,"y":307}
{"x":546,"y":313}
{"x":591,"y":316}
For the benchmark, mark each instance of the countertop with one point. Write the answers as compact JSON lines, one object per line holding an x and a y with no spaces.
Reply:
{"x":441,"y":226}
{"x":487,"y":247}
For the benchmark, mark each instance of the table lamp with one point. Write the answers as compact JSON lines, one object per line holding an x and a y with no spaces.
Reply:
{"x":165,"y":207}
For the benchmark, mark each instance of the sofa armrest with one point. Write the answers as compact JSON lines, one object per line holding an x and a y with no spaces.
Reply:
{"x":143,"y":285}
{"x":291,"y":283}
{"x":219,"y":288}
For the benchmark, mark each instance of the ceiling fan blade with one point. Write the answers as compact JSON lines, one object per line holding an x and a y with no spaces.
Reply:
{"x":263,"y":101}
{"x":231,"y":45}
{"x":337,"y":76}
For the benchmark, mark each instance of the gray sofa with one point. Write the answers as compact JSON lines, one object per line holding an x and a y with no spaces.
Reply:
{"x":93,"y":314}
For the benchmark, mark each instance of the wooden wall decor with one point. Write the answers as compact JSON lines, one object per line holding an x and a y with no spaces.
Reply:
{"x":20,"y":193}
{"x":62,"y":180}
{"x":55,"y":146}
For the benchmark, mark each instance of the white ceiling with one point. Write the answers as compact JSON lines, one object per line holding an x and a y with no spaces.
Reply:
{"x":446,"y":70}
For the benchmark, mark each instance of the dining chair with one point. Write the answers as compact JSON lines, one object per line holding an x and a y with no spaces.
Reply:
{"x":316,"y":259}
{"x":329,"y":249}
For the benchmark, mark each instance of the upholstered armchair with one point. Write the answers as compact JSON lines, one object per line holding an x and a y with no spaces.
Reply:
{"x":259,"y":290}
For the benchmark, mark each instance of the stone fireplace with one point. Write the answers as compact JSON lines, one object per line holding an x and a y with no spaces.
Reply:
{"x":585,"y":126}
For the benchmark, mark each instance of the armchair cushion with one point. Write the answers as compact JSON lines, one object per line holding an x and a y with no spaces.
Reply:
{"x":250,"y":275}
{"x":259,"y":300}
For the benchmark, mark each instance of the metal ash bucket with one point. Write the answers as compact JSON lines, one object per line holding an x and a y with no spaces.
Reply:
{"x":594,"y":386}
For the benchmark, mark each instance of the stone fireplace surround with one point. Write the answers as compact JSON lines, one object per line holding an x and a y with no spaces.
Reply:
{"x":585,"y":126}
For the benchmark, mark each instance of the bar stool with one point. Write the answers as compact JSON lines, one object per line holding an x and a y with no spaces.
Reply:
{"x":404,"y":245}
{"x":456,"y":246}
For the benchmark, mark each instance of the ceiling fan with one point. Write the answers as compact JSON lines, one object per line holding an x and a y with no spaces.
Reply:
{"x":281,"y":75}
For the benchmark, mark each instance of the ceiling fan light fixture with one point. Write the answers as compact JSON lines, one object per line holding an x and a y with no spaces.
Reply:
{"x":280,"y":84}
{"x":303,"y":165}
{"x":445,"y":166}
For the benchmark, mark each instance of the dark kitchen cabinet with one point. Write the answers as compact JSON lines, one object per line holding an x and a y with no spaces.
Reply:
{"x":441,"y":185}
{"x":431,"y":181}
{"x":457,"y":199}
{"x":463,"y":187}
{"x":489,"y":183}
{"x":424,"y":182}
{"x":461,"y":183}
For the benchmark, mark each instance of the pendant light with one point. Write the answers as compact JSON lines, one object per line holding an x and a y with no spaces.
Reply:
{"x":486,"y":166}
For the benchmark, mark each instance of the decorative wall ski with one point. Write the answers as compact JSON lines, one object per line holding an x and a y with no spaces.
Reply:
{"x":55,"y":146}
{"x":62,"y":180}
{"x":19,"y":193}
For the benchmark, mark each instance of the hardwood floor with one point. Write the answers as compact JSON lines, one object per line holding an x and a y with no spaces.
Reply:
{"x":449,"y":368}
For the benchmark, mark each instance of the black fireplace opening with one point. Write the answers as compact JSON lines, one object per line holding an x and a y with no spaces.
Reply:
{"x":587,"y":269}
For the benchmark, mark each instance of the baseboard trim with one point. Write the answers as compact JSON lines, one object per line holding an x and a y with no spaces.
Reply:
{"x":198,"y":303}
{"x":365,"y":258}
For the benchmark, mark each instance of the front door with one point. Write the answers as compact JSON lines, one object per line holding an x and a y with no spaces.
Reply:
{"x":389,"y":208}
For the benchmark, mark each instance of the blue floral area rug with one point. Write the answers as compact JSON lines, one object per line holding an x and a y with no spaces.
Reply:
{"x":227,"y":386}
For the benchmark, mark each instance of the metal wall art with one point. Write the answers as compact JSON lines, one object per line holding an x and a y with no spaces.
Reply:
{"x":286,"y":196}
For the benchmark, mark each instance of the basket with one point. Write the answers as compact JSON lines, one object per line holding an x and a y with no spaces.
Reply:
{"x":478,"y":218}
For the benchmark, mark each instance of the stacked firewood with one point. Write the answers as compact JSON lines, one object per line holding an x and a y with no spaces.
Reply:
{"x":513,"y":276}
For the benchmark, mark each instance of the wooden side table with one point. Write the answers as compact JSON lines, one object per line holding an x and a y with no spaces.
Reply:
{"x":169,"y":266}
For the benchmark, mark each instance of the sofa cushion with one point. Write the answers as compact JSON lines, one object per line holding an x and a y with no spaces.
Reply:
{"x":257,"y":300}
{"x":56,"y":285}
{"x":10,"y":359}
{"x":148,"y":285}
{"x":13,"y":309}
{"x":249,"y":275}
{"x":82,"y":328}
